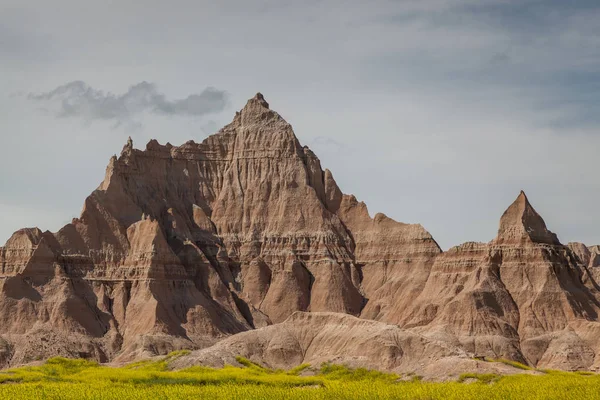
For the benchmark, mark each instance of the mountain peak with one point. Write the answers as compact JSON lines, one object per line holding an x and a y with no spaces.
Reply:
{"x":256,"y":110}
{"x":521,"y":222}
{"x":261,"y":100}
{"x":258,"y":101}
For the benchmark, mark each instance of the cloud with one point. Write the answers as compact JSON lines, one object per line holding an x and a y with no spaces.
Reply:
{"x":439,"y":104}
{"x":210,"y":127}
{"x":499,"y":59}
{"x":326,"y":143}
{"x":78,"y":99}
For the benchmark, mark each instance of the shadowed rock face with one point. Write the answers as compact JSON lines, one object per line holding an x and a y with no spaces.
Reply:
{"x":180,"y":247}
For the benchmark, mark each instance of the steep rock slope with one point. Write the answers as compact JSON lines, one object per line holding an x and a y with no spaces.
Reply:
{"x":589,"y":262}
{"x":521,"y":296}
{"x":182,"y":246}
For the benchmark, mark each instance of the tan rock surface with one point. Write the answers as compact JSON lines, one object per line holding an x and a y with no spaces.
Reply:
{"x":180,"y":247}
{"x":521,"y":297}
{"x":316,"y":338}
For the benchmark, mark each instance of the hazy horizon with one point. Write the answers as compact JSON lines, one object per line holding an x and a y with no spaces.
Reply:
{"x":433,"y":112}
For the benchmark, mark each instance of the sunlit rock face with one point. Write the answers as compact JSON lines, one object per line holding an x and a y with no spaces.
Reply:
{"x":180,"y":247}
{"x":522,"y":296}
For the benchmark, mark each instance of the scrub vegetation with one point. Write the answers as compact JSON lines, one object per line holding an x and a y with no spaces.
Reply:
{"x":61,"y":378}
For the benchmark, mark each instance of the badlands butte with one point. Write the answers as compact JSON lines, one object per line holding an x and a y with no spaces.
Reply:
{"x":243,"y":245}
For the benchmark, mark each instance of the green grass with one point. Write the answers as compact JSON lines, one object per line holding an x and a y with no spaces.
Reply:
{"x":585,"y":373}
{"x":513,"y":364}
{"x":65,"y":379}
{"x":483,"y":378}
{"x":298,"y":370}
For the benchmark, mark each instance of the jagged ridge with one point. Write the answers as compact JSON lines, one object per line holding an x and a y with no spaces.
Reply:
{"x":183,"y":246}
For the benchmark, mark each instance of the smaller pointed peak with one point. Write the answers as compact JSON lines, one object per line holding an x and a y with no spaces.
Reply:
{"x":128,"y":148}
{"x":153,"y":145}
{"x":25,"y":237}
{"x":520,"y":222}
{"x":522,"y":197}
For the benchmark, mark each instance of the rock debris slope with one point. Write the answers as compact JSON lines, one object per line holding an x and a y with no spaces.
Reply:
{"x":180,"y":247}
{"x":315,"y":338}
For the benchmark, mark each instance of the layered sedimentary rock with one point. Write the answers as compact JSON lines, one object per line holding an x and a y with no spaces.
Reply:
{"x":181,"y":247}
{"x":316,"y":338}
{"x":521,"y":296}
{"x":589,"y":263}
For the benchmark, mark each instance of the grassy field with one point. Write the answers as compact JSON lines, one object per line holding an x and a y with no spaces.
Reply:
{"x":60,"y":378}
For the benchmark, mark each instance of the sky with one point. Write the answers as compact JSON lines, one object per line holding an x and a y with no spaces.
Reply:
{"x":435,"y":112}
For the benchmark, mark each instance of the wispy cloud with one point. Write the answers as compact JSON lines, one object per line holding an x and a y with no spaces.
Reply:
{"x":418,"y":107}
{"x":78,"y":99}
{"x":540,"y":57}
{"x":326,"y":143}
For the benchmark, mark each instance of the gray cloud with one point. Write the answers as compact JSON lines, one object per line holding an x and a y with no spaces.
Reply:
{"x":325,"y":143}
{"x":417,"y":107}
{"x":499,"y":59}
{"x":78,"y":99}
{"x":209,"y":127}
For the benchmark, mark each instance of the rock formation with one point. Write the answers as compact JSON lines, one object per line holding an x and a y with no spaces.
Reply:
{"x":181,"y":247}
{"x":521,"y":297}
{"x":316,"y":338}
{"x":589,"y":263}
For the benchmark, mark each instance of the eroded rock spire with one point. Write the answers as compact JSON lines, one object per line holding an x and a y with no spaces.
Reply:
{"x":520,"y":222}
